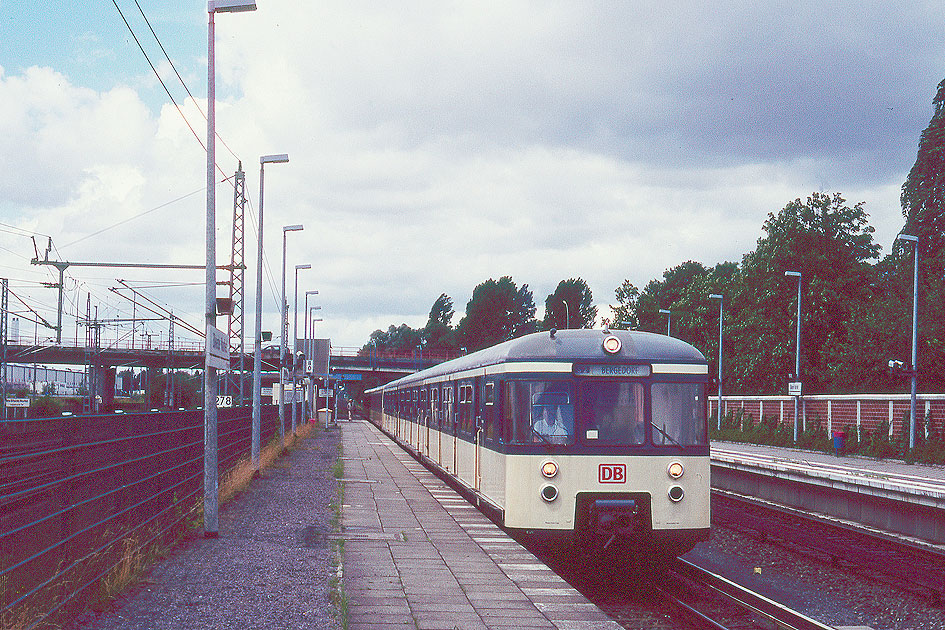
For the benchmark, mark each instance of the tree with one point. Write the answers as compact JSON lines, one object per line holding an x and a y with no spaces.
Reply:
{"x":923,"y":205}
{"x":923,"y":193}
{"x":438,"y":334}
{"x":580,"y":311}
{"x":400,"y":339}
{"x":668,"y":294}
{"x":497,"y":311}
{"x":831,"y":244}
{"x":625,"y":316}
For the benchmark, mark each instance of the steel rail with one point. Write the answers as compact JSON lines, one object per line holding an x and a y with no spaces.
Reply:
{"x":781,"y":616}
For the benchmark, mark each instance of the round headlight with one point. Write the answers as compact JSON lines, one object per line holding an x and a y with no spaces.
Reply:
{"x":611,"y":344}
{"x":549,"y":493}
{"x":675,"y":470}
{"x":676,"y":494}
{"x":549,"y":469}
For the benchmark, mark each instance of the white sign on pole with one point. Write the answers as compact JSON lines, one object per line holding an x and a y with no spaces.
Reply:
{"x":18,"y":402}
{"x":218,"y":348}
{"x":794,"y":388}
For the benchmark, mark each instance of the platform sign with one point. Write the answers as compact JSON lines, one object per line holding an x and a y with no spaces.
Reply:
{"x":794,"y":388}
{"x":18,"y":402}
{"x":218,"y":348}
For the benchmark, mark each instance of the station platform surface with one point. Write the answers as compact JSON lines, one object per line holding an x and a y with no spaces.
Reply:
{"x":418,"y":555}
{"x":856,"y":468}
{"x":887,"y":497}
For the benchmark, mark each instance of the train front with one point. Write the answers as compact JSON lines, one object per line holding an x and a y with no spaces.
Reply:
{"x":616,"y":452}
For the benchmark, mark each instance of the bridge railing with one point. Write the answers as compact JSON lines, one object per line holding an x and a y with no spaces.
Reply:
{"x":426,"y":355}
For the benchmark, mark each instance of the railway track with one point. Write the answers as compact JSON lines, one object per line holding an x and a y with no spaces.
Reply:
{"x":877,"y":556}
{"x":757,"y":608}
{"x":678,"y":595}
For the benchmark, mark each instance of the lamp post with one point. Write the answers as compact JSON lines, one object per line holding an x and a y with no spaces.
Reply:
{"x":721,"y":299}
{"x":307,"y":349}
{"x":314,"y":396}
{"x":283,"y":325}
{"x":567,"y":314}
{"x":797,"y":350}
{"x":915,"y":322}
{"x":295,"y":347}
{"x":669,"y":316}
{"x":211,"y":484}
{"x":257,"y":343}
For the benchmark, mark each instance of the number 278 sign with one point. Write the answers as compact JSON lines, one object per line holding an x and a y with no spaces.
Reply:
{"x":612,"y":473}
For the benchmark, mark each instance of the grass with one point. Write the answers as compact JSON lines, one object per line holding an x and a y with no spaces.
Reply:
{"x":337,"y":594}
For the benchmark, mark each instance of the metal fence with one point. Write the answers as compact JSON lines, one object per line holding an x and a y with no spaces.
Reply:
{"x":866,"y":412}
{"x":80,"y":494}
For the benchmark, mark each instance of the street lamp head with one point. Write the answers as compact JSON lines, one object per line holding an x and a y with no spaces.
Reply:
{"x":715,"y":296}
{"x":907,"y":237}
{"x":311,"y":293}
{"x":274,"y":159}
{"x":793,"y":274}
{"x":292,"y":228}
{"x":664,"y":311}
{"x":230,"y":6}
{"x":297,"y":267}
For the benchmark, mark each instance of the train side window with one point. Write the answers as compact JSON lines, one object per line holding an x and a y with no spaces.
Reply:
{"x":466,"y":408}
{"x":488,"y":410}
{"x":448,"y":406}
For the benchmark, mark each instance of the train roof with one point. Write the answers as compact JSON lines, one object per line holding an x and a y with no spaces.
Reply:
{"x":568,"y":345}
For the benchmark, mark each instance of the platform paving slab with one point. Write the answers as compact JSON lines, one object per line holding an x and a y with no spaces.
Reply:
{"x":441,"y":559}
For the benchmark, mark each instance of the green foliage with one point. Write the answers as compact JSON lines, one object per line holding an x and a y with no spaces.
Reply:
{"x":498,"y":311}
{"x":625,"y":312}
{"x":46,"y":407}
{"x":580,"y":311}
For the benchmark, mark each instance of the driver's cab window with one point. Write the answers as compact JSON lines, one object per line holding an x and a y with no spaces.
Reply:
{"x":539,"y":412}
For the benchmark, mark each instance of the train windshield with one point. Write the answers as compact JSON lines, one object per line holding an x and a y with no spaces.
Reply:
{"x":678,"y":414}
{"x":611,"y":412}
{"x":539,"y":412}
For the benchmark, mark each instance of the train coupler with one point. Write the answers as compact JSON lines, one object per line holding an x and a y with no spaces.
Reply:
{"x":612,"y":518}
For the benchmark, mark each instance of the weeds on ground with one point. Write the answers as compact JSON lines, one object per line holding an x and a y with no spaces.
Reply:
{"x":337,"y":595}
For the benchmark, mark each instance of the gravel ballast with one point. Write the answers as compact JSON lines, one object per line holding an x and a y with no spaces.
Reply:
{"x":270,"y":567}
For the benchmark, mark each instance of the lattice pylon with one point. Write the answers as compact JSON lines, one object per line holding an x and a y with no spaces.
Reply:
{"x":237,"y":268}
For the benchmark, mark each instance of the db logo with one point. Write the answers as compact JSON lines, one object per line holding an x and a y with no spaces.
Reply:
{"x":612,"y":473}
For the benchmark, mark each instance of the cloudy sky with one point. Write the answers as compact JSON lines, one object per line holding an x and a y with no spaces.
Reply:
{"x":434,"y":145}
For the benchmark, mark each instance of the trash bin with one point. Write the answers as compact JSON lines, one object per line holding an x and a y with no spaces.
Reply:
{"x":839,"y":438}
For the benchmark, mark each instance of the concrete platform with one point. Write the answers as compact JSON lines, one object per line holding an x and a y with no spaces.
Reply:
{"x":417,"y":555}
{"x":890,"y":496}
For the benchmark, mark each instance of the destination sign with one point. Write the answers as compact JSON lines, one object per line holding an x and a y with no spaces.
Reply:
{"x":598,"y":369}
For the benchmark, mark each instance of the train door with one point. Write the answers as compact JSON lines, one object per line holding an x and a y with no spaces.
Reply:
{"x":446,"y":438}
{"x":431,"y":410}
{"x":453,"y":431}
{"x":477,"y":411}
{"x":423,"y":423}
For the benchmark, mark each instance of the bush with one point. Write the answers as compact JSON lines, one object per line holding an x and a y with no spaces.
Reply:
{"x":741,"y":427}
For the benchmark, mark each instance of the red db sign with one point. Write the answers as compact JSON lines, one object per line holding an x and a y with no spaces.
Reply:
{"x":612,"y":473}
